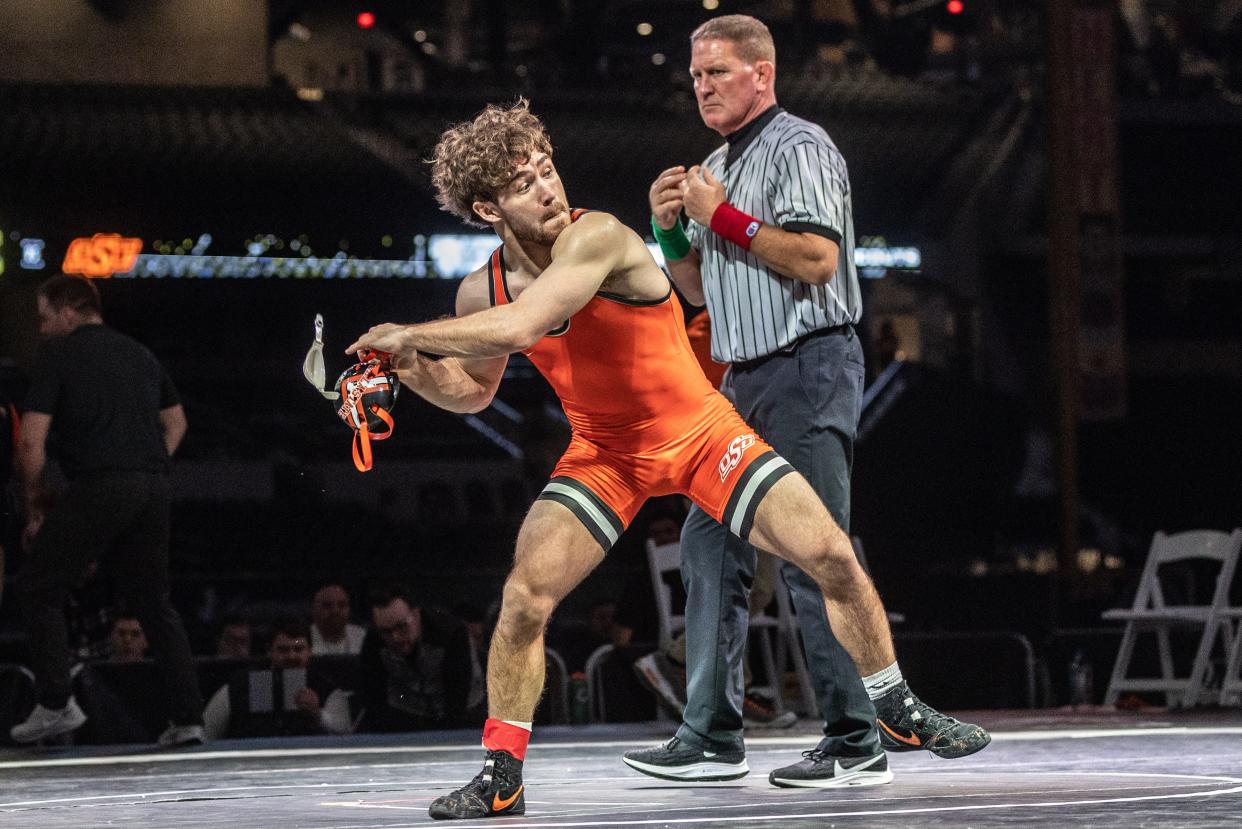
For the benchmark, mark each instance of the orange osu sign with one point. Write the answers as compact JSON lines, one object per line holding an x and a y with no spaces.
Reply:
{"x":101,"y":255}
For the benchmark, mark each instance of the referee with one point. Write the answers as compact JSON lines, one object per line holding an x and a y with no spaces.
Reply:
{"x":114,"y":419}
{"x":770,"y":250}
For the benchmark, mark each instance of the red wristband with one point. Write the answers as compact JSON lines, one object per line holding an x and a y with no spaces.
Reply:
{"x":734,"y":225}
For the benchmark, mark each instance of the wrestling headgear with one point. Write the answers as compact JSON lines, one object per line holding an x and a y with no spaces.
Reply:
{"x":367,"y":391}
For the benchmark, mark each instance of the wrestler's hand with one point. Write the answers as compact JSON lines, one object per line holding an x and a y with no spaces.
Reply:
{"x":308,"y":701}
{"x":387,"y":337}
{"x":702,"y":194}
{"x":665,"y":196}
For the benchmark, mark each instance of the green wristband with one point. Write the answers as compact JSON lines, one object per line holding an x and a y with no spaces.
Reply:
{"x":674,"y":243}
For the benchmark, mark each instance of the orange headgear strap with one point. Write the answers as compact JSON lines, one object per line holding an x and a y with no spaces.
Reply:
{"x":357,"y":411}
{"x":366,"y":390}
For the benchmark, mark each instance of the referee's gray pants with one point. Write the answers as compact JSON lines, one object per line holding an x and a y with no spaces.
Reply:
{"x":805,"y":402}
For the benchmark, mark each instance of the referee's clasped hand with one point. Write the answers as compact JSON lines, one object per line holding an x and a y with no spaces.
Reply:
{"x":665,"y":196}
{"x":702,"y":193}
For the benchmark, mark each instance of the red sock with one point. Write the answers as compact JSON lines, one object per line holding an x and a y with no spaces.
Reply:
{"x":498,"y":735}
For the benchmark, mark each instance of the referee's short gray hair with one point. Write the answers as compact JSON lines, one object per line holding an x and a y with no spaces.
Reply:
{"x":748,"y":34}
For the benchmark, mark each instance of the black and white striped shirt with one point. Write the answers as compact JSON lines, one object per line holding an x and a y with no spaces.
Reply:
{"x":784,"y":171}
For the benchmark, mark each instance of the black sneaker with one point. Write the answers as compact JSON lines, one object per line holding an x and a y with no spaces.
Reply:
{"x":908,"y":724}
{"x":819,"y":770}
{"x":494,"y":792}
{"x":675,"y":760}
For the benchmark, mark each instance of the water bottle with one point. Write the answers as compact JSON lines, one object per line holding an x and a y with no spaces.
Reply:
{"x":1081,"y":684}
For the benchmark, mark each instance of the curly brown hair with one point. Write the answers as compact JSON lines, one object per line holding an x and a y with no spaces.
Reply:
{"x":474,"y":159}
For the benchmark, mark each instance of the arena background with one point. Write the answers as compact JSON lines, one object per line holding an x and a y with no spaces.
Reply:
{"x":269,"y":158}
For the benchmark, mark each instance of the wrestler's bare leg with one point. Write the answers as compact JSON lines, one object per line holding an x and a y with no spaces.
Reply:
{"x":555,"y":552}
{"x":793,"y":523}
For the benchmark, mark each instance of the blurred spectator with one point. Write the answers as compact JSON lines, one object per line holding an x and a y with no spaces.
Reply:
{"x":127,"y":642}
{"x":602,"y":620}
{"x":305,"y":704}
{"x":579,"y":639}
{"x":416,"y":668}
{"x":475,"y":621}
{"x":234,"y":641}
{"x":664,"y":529}
{"x":332,"y":632}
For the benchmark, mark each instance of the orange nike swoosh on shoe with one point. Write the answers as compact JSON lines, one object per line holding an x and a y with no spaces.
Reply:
{"x":910,"y":741}
{"x":499,"y":805}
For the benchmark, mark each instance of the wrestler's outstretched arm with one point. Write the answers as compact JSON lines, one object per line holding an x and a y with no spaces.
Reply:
{"x":457,"y":384}
{"x":584,"y":255}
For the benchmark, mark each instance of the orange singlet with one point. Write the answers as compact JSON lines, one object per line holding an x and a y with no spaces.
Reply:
{"x":645,"y":420}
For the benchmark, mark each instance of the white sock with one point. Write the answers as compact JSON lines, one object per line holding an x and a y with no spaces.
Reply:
{"x":526,"y":725}
{"x":881,"y":682}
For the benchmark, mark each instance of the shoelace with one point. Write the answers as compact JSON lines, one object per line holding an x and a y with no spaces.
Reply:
{"x":935,"y":721}
{"x":475,"y":785}
{"x":479,"y":788}
{"x":478,"y":783}
{"x":815,"y":755}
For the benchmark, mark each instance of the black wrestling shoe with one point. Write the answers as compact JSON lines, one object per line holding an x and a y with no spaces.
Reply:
{"x":908,"y":724}
{"x":497,"y":791}
{"x":819,"y":770}
{"x":675,"y":760}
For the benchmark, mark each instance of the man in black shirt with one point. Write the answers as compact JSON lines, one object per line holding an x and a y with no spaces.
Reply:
{"x":8,"y":500}
{"x":114,"y":419}
{"x":416,"y":667}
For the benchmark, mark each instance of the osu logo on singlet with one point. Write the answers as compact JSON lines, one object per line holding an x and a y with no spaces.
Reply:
{"x":733,"y":455}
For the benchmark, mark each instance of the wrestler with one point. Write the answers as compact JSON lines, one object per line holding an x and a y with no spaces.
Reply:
{"x":579,"y":294}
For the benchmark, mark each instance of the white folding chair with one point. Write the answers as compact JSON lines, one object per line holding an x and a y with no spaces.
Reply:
{"x":1231,"y":682}
{"x":666,"y":558}
{"x":557,"y":694}
{"x":661,"y":559}
{"x":1151,"y":613}
{"x":594,"y":671}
